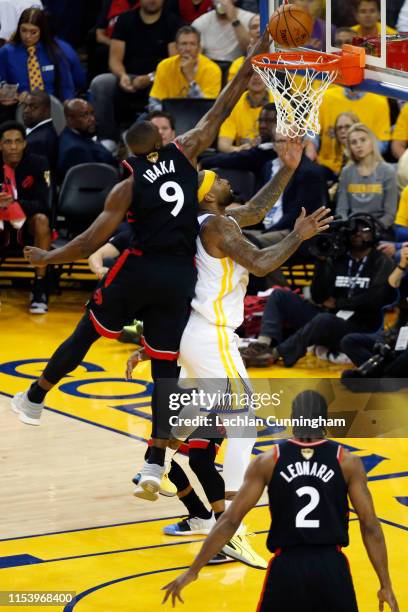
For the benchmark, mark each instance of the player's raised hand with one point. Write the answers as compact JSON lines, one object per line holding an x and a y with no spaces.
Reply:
{"x":175,"y":587}
{"x":291,"y":152}
{"x":133,"y":360}
{"x":387,"y":596}
{"x":310,"y":225}
{"x":35,"y":256}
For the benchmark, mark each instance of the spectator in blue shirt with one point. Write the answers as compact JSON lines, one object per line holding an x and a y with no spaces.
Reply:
{"x":36,"y":61}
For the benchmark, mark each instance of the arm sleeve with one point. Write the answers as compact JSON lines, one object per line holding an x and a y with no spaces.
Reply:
{"x":323,"y":281}
{"x":342,"y":206}
{"x":390,"y":197}
{"x":377,"y":294}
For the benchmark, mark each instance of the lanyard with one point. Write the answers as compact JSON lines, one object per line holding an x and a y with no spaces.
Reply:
{"x":353,"y":280}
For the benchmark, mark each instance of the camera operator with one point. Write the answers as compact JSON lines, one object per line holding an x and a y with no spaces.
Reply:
{"x":349,"y":289}
{"x":383,"y":354}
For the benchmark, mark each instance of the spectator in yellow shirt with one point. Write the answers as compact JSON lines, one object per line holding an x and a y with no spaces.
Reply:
{"x":189,"y":74}
{"x":399,"y":137}
{"x":371,"y":109}
{"x":240,"y":130}
{"x":368,"y":15}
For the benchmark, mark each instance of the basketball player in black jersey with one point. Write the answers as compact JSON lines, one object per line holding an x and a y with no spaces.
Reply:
{"x":153,"y":280}
{"x":309,"y":479}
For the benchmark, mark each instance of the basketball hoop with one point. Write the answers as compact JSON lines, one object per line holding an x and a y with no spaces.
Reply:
{"x":299,"y":79}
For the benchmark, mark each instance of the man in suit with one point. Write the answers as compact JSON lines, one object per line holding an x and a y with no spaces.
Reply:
{"x":42,"y":139}
{"x":24,"y":178}
{"x":76,"y":145}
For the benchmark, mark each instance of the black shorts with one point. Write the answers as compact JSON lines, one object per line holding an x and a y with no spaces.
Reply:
{"x":308,"y":579}
{"x":156,"y":289}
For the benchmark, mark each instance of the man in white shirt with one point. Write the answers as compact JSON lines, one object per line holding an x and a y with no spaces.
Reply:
{"x":224,"y":31}
{"x":10,"y":11}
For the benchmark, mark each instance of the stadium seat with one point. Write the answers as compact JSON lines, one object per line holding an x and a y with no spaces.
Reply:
{"x":83,"y":195}
{"x":242,"y":182}
{"x":186,"y":111}
{"x":57,"y":114}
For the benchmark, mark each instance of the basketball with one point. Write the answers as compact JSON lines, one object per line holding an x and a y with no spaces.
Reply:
{"x":290,"y":26}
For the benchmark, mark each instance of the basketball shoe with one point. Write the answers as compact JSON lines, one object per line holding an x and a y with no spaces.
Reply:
{"x":148,"y":485}
{"x":191,"y":525}
{"x":29,"y":412}
{"x":240,"y":549}
{"x":167,"y":488}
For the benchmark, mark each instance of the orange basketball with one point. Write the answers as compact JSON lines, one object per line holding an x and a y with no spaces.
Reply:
{"x":290,"y":26}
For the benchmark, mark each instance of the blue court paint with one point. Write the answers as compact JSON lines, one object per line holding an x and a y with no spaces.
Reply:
{"x":72,"y":388}
{"x":17,"y":560}
{"x":10,"y":367}
{"x":402,"y":500}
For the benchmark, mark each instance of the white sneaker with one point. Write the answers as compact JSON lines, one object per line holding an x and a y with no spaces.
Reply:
{"x":29,"y":412}
{"x":192,"y":525}
{"x":151,"y":475}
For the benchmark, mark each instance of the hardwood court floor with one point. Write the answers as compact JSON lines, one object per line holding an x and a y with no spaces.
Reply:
{"x":68,"y":519}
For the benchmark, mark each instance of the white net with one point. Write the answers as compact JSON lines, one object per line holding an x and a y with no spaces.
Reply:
{"x":297,"y":93}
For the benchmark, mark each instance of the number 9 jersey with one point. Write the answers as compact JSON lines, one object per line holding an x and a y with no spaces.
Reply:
{"x":164,"y":209}
{"x":308,"y":496}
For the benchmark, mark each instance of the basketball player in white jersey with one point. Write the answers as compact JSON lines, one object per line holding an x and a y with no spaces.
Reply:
{"x":209,"y":347}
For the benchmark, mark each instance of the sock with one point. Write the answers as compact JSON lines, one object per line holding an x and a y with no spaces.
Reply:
{"x":156,"y":455}
{"x":36,"y":393}
{"x":264,"y":340}
{"x":218,"y":514}
{"x":195,"y":506}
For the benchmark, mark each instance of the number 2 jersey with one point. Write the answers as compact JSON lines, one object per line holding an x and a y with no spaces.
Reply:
{"x":163,"y":213}
{"x":308,"y":496}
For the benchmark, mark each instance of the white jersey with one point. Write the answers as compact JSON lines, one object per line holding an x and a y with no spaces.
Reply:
{"x":221,"y":287}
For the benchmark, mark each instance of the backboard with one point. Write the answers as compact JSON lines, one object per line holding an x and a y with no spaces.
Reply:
{"x":361,"y":23}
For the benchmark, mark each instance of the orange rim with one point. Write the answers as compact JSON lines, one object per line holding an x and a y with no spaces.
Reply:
{"x":323,"y":62}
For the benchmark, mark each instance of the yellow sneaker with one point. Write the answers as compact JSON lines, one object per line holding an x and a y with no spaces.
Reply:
{"x":167,"y":488}
{"x":240,"y":549}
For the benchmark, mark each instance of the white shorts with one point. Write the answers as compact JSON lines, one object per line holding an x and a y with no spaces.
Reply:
{"x":210,"y":351}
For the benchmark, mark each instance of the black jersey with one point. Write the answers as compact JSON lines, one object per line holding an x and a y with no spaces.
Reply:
{"x":164,"y":207}
{"x":308,"y":496}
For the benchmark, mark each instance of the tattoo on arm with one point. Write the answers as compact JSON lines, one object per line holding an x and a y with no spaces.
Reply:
{"x":222,"y":238}
{"x":255,"y":210}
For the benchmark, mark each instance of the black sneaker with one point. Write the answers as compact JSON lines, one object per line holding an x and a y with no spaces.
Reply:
{"x":39,"y":298}
{"x":258,"y":355}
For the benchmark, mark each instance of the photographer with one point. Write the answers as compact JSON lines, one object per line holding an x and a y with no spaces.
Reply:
{"x":379,"y":348}
{"x":349,"y":289}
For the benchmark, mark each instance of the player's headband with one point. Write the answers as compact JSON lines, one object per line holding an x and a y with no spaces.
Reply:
{"x":208,"y":182}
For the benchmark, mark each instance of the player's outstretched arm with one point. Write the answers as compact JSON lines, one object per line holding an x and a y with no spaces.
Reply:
{"x":198,"y":139}
{"x":256,"y":478}
{"x":255,"y":210}
{"x":116,"y":206}
{"x":370,"y":527}
{"x":221,"y":238}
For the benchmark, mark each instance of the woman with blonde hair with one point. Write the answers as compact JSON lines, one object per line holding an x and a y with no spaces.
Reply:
{"x":367,"y":183}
